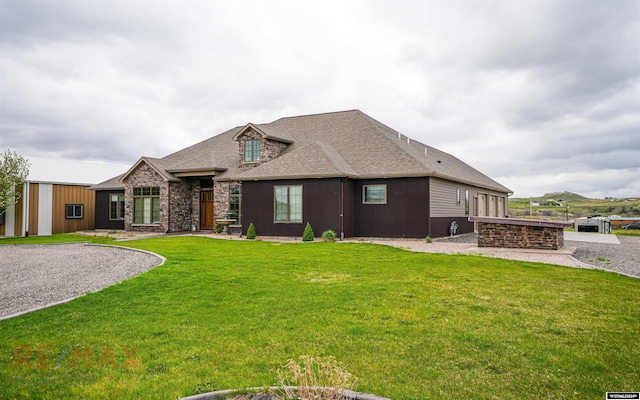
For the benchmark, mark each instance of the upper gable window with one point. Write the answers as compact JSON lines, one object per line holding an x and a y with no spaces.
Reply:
{"x":252,"y":150}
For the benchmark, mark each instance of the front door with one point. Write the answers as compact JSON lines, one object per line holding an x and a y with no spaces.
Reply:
{"x":206,"y":210}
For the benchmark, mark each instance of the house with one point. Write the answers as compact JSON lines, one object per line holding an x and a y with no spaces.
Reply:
{"x":342,"y":171}
{"x":56,"y":198}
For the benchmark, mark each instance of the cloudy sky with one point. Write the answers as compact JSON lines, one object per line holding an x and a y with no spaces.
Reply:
{"x":540,"y":95}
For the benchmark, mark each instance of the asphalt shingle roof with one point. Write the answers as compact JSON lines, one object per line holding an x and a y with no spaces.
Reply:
{"x":338,"y":144}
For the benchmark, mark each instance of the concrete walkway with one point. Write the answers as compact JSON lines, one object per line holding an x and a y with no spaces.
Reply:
{"x":591,"y":237}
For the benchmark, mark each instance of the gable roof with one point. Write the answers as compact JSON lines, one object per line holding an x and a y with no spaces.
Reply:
{"x":266,"y":132}
{"x":339,"y":144}
{"x":159,"y":165}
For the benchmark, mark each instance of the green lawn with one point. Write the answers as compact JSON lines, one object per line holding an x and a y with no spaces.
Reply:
{"x":59,"y":238}
{"x":225,"y":314}
{"x":626,"y":232}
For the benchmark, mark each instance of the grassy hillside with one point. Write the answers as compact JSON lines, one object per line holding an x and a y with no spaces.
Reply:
{"x":563,"y":205}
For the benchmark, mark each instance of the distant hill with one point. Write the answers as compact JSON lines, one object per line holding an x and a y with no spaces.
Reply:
{"x":566,"y":205}
{"x":556,"y":196}
{"x":563,"y":196}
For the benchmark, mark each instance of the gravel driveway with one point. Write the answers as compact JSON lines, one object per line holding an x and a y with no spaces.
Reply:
{"x":35,"y":276}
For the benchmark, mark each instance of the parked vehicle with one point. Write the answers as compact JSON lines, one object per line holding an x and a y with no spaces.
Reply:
{"x":634,"y":225}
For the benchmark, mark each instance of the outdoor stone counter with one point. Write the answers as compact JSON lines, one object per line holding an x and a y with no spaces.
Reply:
{"x":520,"y":233}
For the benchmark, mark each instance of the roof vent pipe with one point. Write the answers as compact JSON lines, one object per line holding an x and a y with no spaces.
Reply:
{"x":408,"y":141}
{"x":425,"y":151}
{"x":399,"y":136}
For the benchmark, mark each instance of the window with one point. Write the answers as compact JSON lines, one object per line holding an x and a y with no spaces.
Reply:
{"x":466,"y":203}
{"x":458,"y":196}
{"x":252,"y":150}
{"x":374,"y":194}
{"x":146,"y":205}
{"x":116,"y":207}
{"x":75,"y":211}
{"x":235,"y":197}
{"x":288,"y":204}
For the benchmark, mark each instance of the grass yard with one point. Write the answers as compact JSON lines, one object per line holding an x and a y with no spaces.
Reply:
{"x":226,"y":314}
{"x":626,"y":232}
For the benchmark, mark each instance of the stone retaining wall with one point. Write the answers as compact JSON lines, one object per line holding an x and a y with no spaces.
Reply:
{"x":520,"y":234}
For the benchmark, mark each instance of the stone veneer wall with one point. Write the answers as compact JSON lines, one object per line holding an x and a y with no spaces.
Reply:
{"x":145,"y":176}
{"x":269,"y":149}
{"x":182,"y":198}
{"x":519,"y":236}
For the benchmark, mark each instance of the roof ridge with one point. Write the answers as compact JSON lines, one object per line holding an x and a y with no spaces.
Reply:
{"x":315,"y":114}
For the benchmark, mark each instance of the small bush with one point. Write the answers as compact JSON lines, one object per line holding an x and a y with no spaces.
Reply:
{"x":428,"y":239}
{"x":219,"y":228}
{"x":328,"y":236}
{"x":308,"y":235}
{"x":251,"y":231}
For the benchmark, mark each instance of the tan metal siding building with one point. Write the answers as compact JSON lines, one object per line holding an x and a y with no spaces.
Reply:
{"x":56,"y":198}
{"x":42,"y":209}
{"x":450,"y":199}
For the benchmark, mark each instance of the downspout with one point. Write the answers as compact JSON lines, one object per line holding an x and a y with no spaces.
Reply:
{"x":429,"y":207}
{"x":342,"y":209}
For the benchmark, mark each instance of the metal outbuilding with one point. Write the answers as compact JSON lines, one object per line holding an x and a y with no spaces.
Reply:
{"x":56,"y":198}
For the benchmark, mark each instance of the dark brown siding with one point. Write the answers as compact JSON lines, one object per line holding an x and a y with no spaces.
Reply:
{"x":406,"y":213}
{"x":103,"y":211}
{"x":440,"y":226}
{"x":349,"y":210}
{"x":320,"y":207}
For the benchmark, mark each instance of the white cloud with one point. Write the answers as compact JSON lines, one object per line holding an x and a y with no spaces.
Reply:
{"x":526,"y":91}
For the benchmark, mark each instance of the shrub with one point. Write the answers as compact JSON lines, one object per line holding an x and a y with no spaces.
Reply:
{"x":219,"y":228}
{"x":428,"y":239}
{"x":316,"y":378}
{"x":308,"y":235}
{"x":251,"y":231}
{"x":329,"y":236}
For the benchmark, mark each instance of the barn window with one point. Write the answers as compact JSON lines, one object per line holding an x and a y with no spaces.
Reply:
{"x":75,"y":211}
